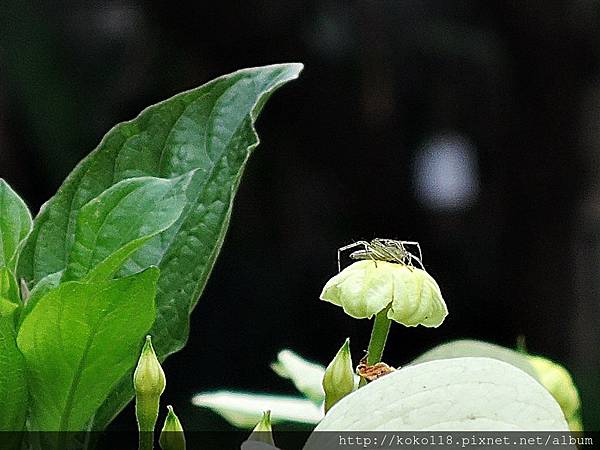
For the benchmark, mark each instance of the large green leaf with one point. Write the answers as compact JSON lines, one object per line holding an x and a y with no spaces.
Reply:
{"x":209,"y":129}
{"x":458,"y":394}
{"x":13,"y":382}
{"x":119,"y":221}
{"x":15,"y":225}
{"x":79,"y":341}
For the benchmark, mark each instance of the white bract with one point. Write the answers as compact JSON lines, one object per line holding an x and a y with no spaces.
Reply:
{"x":459,"y":394}
{"x":244,"y":410}
{"x":306,"y":375}
{"x":551,"y":375}
{"x":367,"y":287}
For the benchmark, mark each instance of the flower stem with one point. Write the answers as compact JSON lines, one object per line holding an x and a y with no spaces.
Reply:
{"x":379,"y":334}
{"x":146,"y":440}
{"x":146,"y":410}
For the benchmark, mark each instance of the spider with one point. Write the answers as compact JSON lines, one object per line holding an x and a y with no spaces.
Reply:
{"x":388,"y":250}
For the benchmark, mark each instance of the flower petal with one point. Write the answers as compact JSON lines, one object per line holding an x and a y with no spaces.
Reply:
{"x":417,"y":298}
{"x":363,"y":289}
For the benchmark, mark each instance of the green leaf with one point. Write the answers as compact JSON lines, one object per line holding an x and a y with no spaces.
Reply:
{"x":13,"y":381}
{"x":38,"y":292}
{"x":79,"y":341}
{"x":111,"y":227}
{"x":7,"y":308}
{"x":209,"y":129}
{"x":9,"y":289}
{"x":15,"y":225}
{"x":459,"y":394}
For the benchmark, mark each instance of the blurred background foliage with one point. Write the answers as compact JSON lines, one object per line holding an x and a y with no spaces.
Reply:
{"x":470,"y":126}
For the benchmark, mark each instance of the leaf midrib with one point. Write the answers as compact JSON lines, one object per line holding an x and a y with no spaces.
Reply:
{"x":94,"y":250}
{"x":65,"y":417}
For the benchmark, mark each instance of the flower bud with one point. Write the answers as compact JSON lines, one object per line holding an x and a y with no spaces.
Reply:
{"x":263,"y":432}
{"x":338,"y":380}
{"x":367,"y":287}
{"x":171,"y":436}
{"x":149,"y":383}
{"x":149,"y":377}
{"x":559,"y":383}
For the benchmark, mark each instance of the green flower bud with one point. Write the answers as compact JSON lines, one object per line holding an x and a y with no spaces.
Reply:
{"x":338,"y":380}
{"x":367,"y":287}
{"x":149,"y":377}
{"x":559,"y":383}
{"x":263,"y":432}
{"x":171,"y":436}
{"x":149,"y":383}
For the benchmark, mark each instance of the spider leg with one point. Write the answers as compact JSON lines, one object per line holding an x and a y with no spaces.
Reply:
{"x":347,"y":247}
{"x":416,"y":244}
{"x":411,"y":256}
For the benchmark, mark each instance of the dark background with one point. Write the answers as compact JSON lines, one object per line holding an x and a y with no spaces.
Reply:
{"x":470,"y":126}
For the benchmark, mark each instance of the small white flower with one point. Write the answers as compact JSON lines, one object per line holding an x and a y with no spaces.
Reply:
{"x":367,"y":287}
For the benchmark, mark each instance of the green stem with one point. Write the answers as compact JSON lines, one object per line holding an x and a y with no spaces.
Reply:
{"x":379,"y":334}
{"x":146,"y":440}
{"x":381,"y":328}
{"x":146,"y":411}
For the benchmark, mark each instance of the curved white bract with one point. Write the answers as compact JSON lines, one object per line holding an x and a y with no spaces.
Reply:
{"x":460,"y":394}
{"x":244,"y":409}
